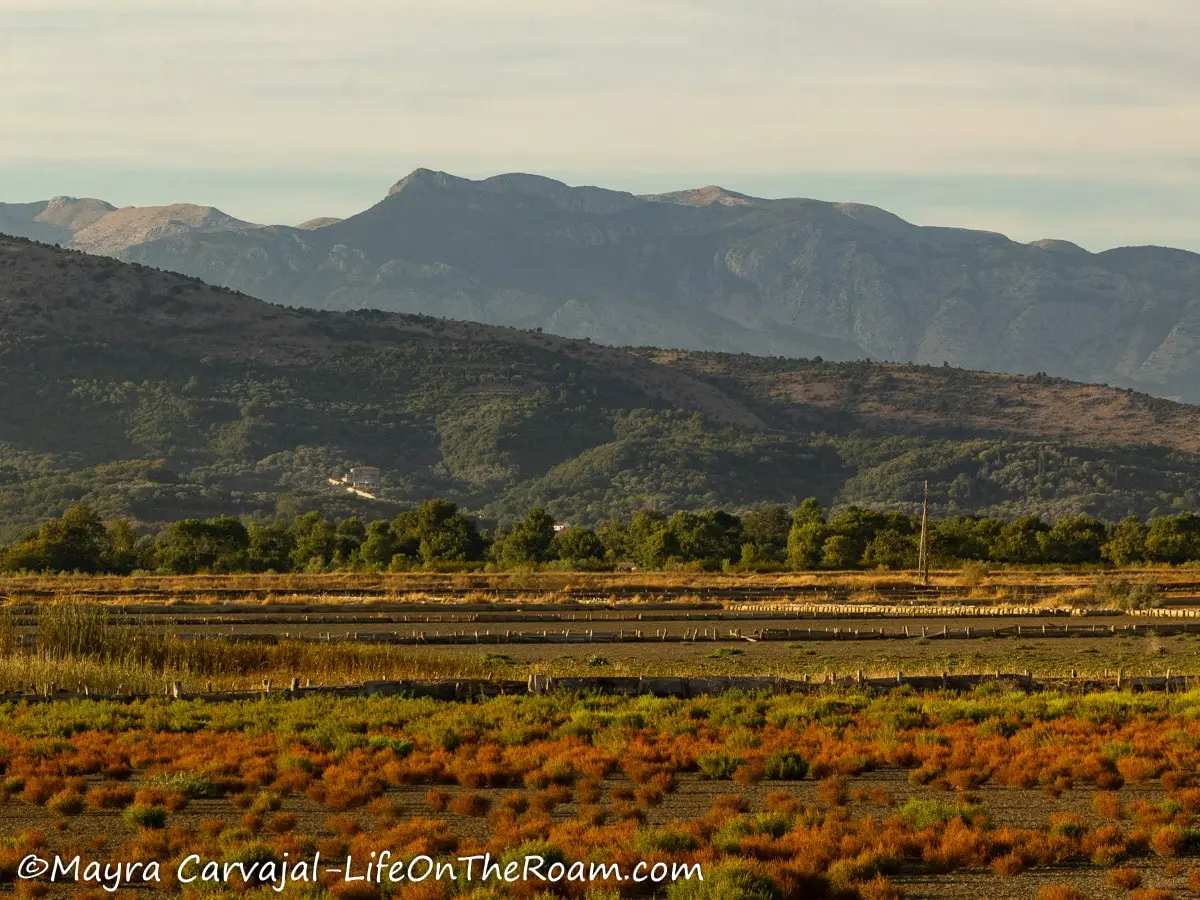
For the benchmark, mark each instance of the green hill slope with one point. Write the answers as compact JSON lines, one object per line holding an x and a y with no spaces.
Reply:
{"x":146,"y":393}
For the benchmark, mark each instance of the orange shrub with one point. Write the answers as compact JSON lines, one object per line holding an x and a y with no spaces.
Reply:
{"x":1137,"y":768}
{"x":782,"y":802}
{"x":1009,"y":864}
{"x":113,"y":795}
{"x":833,"y":790}
{"x":1124,"y":879}
{"x":342,"y":825}
{"x":1107,"y":805}
{"x":750,"y":772}
{"x":882,"y":797}
{"x":879,"y":888}
{"x":1168,"y":841}
{"x":351,"y":782}
{"x":472,"y":805}
{"x":591,"y":814}
{"x":174,"y":801}
{"x":588,"y":790}
{"x":1060,"y":892}
{"x":1188,"y":798}
{"x":385,"y":808}
{"x":964,"y":779}
{"x":648,"y":795}
{"x":1174,"y":780}
{"x":353,"y":890}
{"x":38,"y":790}
{"x":555,"y":795}
{"x":282,"y":823}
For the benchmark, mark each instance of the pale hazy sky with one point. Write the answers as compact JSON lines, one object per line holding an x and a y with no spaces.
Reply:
{"x":1068,"y":118}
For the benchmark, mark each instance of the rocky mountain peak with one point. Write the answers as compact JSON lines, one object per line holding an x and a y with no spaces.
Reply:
{"x":73,"y":213}
{"x":703,"y":196}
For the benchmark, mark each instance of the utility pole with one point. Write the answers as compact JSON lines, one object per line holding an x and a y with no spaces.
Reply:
{"x":923,"y":557}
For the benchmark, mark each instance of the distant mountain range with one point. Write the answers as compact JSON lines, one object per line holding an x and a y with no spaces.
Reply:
{"x":149,"y":394}
{"x":707,"y":269}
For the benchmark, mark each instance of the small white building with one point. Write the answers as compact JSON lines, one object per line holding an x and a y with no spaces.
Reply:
{"x":562,"y":526}
{"x":364,"y":478}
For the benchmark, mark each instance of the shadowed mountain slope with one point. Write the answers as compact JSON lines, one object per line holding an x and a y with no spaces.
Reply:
{"x":706,"y":269}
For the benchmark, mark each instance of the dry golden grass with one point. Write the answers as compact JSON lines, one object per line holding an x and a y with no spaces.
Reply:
{"x":996,"y":586}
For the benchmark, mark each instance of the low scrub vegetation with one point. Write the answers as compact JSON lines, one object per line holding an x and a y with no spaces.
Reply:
{"x":591,"y":777}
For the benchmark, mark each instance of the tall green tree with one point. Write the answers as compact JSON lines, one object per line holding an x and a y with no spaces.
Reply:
{"x":1018,"y":542}
{"x":806,"y":537}
{"x":765,"y":531}
{"x":445,"y":534}
{"x":77,"y":541}
{"x":648,"y":540}
{"x":1073,"y":539}
{"x":1173,"y":539}
{"x":711,"y":538}
{"x":890,"y":549}
{"x":379,"y":546}
{"x":271,"y":547}
{"x":580,"y":547}
{"x":314,"y":543}
{"x":219,"y":545}
{"x":531,"y":540}
{"x":1127,"y":546}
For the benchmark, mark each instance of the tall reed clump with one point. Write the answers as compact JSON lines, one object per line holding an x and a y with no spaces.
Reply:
{"x":83,"y":643}
{"x":10,"y":639}
{"x":73,"y":630}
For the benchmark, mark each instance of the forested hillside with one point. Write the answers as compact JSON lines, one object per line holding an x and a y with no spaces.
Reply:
{"x":147,"y":394}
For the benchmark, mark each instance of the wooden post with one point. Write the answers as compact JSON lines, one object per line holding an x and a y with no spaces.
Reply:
{"x":177,"y":690}
{"x":923,"y":553}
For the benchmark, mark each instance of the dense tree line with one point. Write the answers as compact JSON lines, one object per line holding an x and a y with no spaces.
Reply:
{"x":438,"y":534}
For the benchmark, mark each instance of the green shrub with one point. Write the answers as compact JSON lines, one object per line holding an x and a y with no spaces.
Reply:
{"x":727,"y":882}
{"x":399,"y":746}
{"x":145,"y":816}
{"x":1122,"y":593}
{"x":718,"y":766}
{"x":66,"y":803}
{"x":784,"y":765}
{"x":663,"y":840}
{"x":192,"y":785}
{"x":934,"y":813}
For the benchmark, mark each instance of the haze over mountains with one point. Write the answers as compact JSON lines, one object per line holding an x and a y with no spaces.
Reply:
{"x":150,"y":394}
{"x":706,"y":269}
